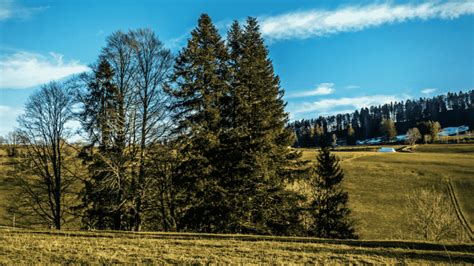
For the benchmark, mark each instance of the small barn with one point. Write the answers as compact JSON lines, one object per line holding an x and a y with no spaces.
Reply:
{"x":386,"y":149}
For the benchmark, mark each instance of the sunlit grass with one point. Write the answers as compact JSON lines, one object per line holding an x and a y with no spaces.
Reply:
{"x":378,"y":183}
{"x":32,"y":248}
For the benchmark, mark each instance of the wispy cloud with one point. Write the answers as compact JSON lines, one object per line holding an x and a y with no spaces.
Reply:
{"x":25,"y":70}
{"x":333,"y":106}
{"x":175,"y":44}
{"x":321,"y":89}
{"x":9,"y":9}
{"x":352,"y":87}
{"x":428,"y":90}
{"x":314,"y":23}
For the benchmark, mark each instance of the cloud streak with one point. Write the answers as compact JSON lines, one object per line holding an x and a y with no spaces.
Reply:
{"x":428,"y":90}
{"x":9,"y":9}
{"x":332,"y":106}
{"x":317,"y":23}
{"x":321,"y":89}
{"x":25,"y":70}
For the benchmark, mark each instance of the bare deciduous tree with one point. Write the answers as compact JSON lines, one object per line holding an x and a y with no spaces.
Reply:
{"x":12,"y":142}
{"x":45,"y":172}
{"x":433,"y":217}
{"x":412,"y":136}
{"x":153,"y":64}
{"x":124,"y":113}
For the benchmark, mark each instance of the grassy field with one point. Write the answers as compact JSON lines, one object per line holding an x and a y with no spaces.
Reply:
{"x":42,"y":247}
{"x":378,"y":183}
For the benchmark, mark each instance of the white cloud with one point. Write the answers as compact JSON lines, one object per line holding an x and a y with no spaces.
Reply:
{"x":321,"y":89}
{"x":428,"y":90}
{"x":333,"y":106}
{"x":25,"y":70}
{"x":314,"y":23}
{"x":9,"y":9}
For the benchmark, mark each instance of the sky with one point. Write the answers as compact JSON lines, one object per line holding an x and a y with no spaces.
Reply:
{"x":331,"y":56}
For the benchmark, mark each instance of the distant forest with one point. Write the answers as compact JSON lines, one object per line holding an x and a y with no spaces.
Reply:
{"x":452,"y":109}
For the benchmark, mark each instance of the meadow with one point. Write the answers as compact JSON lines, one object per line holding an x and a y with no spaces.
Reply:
{"x":377,"y":184}
{"x":43,"y":247}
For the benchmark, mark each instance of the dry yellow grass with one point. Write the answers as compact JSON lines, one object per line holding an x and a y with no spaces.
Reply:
{"x":44,"y":248}
{"x":378,"y":183}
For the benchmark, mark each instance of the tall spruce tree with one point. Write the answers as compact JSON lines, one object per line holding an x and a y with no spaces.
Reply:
{"x":258,"y":161}
{"x":104,"y":190}
{"x":329,"y":208}
{"x":199,"y":94}
{"x":109,"y":118}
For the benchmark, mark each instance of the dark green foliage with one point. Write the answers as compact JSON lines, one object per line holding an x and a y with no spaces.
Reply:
{"x":257,"y":145}
{"x":429,"y":128}
{"x":102,"y":118}
{"x":234,"y":144}
{"x":161,"y":207}
{"x":228,"y":163}
{"x":329,"y":208}
{"x":199,"y":94}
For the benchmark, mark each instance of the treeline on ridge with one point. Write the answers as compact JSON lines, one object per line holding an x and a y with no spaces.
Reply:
{"x":452,"y":109}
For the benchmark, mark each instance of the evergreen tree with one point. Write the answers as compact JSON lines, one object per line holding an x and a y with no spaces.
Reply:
{"x":97,"y":120}
{"x":105,"y":120}
{"x":258,"y":160}
{"x":318,"y":134}
{"x":200,"y":91}
{"x":329,"y":208}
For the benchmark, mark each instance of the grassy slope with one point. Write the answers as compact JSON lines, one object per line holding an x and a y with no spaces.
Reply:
{"x":377,"y":184}
{"x":461,"y":172}
{"x":29,"y":247}
{"x":5,"y":188}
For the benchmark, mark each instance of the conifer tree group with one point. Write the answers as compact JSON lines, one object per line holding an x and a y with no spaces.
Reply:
{"x":232,"y":130}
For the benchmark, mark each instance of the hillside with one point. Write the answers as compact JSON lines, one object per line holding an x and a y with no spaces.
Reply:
{"x":44,"y":247}
{"x":378,"y":184}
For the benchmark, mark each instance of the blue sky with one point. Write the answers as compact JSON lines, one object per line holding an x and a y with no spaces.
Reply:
{"x":331,"y":56}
